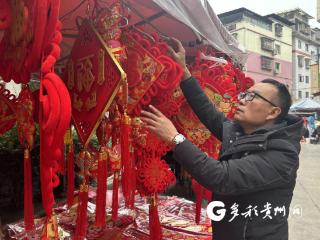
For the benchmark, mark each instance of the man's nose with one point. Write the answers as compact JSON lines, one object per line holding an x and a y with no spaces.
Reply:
{"x":242,"y":101}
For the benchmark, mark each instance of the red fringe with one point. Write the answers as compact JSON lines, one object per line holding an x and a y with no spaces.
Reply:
{"x":115,"y":203}
{"x":70,"y":193}
{"x":198,"y":190}
{"x":81,"y":224}
{"x":101,"y":188}
{"x":28,"y":201}
{"x":154,"y":222}
{"x":50,"y":229}
{"x":198,"y":206}
{"x":128,"y":178}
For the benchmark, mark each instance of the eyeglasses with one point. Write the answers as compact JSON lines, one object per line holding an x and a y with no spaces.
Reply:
{"x":249,"y":96}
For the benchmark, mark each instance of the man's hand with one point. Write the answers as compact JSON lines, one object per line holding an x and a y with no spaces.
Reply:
{"x":159,"y":124}
{"x":178,"y":53}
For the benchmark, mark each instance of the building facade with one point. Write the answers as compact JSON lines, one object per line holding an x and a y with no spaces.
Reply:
{"x":315,"y":81}
{"x":305,"y":52}
{"x":268,"y":41}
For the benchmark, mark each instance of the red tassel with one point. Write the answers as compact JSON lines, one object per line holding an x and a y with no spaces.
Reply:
{"x":81,"y":225}
{"x":154,"y":222}
{"x":198,"y":206}
{"x":101,"y":188}
{"x":70,"y":193}
{"x":128,"y":178}
{"x":28,"y":201}
{"x":50,"y":229}
{"x":115,"y":203}
{"x":198,"y":190}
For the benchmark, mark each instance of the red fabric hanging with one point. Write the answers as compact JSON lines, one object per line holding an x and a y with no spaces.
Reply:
{"x":28,"y":199}
{"x":154,"y":222}
{"x":70,"y":192}
{"x":101,"y":188}
{"x":81,"y":224}
{"x":115,"y":200}
{"x":128,"y":170}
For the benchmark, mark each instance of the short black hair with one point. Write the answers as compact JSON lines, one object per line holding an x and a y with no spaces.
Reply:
{"x":284,"y":97}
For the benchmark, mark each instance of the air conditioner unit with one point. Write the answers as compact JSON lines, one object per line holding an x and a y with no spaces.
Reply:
{"x":276,"y":71}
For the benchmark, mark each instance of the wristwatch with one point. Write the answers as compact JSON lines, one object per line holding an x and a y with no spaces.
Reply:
{"x":179,"y":138}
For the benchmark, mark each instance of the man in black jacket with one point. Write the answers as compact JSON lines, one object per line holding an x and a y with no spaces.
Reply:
{"x":256,"y":172}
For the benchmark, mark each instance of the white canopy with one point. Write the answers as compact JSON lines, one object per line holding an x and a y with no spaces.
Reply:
{"x":200,"y":17}
{"x":305,"y":104}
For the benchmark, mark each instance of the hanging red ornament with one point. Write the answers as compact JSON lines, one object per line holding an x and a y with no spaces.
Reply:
{"x":154,"y":222}
{"x":115,"y":162}
{"x":7,"y":110}
{"x":26,"y":129}
{"x":128,"y":169}
{"x":101,"y":187}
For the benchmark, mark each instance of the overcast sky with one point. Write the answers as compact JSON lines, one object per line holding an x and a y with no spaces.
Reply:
{"x":264,"y":7}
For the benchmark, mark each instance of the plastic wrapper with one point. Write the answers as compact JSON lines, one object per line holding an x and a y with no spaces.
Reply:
{"x":177,"y":217}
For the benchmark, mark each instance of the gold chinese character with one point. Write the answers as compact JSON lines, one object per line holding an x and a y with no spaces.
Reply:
{"x":70,"y":80}
{"x":101,"y":77}
{"x":91,"y":101}
{"x":85,"y":78}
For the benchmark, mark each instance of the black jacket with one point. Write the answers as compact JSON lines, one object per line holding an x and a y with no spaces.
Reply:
{"x":256,"y":169}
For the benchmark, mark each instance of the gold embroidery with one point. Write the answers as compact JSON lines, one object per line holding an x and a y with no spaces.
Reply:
{"x":77,"y":102}
{"x":70,"y":79}
{"x":101,"y":66}
{"x":91,"y":101}
{"x":84,"y":74}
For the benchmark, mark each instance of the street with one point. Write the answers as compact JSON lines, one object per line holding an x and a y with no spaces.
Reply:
{"x":304,"y":219}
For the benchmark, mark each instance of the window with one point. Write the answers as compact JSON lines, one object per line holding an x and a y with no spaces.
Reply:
{"x":300,"y":61}
{"x":266,"y":44}
{"x":231,"y":26}
{"x":266,"y":63}
{"x":313,"y":56}
{"x":299,"y":44}
{"x":307,"y":47}
{"x":277,"y":49}
{"x":307,"y":94}
{"x":300,"y":94}
{"x":307,"y":79}
{"x":277,"y":68}
{"x":307,"y":63}
{"x":300,"y":78}
{"x":278,"y":30}
{"x":235,"y":35}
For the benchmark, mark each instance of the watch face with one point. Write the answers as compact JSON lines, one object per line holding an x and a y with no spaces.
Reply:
{"x":179,"y":139}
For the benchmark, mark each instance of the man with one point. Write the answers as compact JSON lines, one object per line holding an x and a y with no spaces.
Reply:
{"x":256,"y":172}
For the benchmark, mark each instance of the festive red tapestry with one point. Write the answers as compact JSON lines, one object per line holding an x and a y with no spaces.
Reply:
{"x":93,"y":77}
{"x":7,"y":112}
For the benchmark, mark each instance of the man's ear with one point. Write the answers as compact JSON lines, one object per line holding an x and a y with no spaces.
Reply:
{"x":274,"y":113}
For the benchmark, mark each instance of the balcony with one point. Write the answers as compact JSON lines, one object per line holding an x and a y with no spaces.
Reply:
{"x":305,"y":30}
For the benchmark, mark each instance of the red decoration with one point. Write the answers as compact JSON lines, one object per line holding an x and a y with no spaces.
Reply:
{"x":81,"y":224}
{"x":128,"y":173}
{"x":5,"y":14}
{"x":93,"y":77}
{"x":154,"y":222}
{"x":115,"y":162}
{"x":26,"y":129}
{"x":7,"y":112}
{"x":142,"y":69}
{"x":101,"y":188}
{"x":23,"y":40}
{"x":154,"y":175}
{"x":70,"y":192}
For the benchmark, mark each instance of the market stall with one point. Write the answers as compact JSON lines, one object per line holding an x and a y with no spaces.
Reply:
{"x":114,"y":63}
